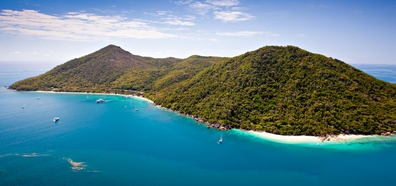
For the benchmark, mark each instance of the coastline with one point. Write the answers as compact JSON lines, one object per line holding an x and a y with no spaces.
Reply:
{"x":288,"y":139}
{"x":130,"y":95}
{"x":341,"y":138}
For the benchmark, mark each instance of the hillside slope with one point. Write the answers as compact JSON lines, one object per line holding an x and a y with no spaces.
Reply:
{"x":112,"y":69}
{"x":165,"y":73}
{"x":286,"y":90}
{"x":94,"y":70}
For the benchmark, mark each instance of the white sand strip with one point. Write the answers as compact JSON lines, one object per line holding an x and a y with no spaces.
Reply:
{"x":304,"y":139}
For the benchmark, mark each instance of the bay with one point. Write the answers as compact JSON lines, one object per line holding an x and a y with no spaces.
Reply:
{"x":113,"y":144}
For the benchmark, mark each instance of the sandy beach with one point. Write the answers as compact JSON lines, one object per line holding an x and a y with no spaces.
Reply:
{"x":130,"y":95}
{"x":305,"y":139}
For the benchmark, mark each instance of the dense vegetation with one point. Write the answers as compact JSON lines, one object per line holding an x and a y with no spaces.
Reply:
{"x":282,"y":90}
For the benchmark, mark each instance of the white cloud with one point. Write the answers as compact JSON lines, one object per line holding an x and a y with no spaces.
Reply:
{"x":301,"y":35}
{"x":223,"y":2}
{"x":163,"y":12}
{"x":159,"y":13}
{"x":236,"y":8}
{"x":201,"y":8}
{"x":173,"y":20}
{"x":189,"y":17}
{"x":240,"y":33}
{"x":227,"y":16}
{"x":75,"y":26}
{"x":183,"y":2}
{"x":215,"y":6}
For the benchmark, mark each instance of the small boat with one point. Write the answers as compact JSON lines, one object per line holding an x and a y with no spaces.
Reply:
{"x":208,"y":127}
{"x":23,"y":107}
{"x":136,"y":109}
{"x":220,"y":141}
{"x":38,"y":97}
{"x":100,"y":101}
{"x":55,"y":119}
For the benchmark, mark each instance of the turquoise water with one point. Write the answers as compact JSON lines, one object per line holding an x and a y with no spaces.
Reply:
{"x":151,"y":146}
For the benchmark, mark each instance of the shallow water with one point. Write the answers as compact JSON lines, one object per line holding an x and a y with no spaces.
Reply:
{"x":110,"y":144}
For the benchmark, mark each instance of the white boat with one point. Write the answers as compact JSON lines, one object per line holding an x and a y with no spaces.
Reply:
{"x":100,"y":101}
{"x":55,"y":119}
{"x":220,"y":141}
{"x":38,"y":97}
{"x":136,"y":109}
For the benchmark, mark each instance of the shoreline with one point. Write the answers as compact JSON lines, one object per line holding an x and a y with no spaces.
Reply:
{"x":112,"y":94}
{"x":341,"y":138}
{"x":196,"y":118}
{"x":289,"y":139}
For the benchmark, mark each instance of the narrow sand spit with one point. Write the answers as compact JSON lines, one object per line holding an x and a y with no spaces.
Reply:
{"x":305,"y":139}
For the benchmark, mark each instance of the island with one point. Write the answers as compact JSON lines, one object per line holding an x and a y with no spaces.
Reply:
{"x":282,"y":90}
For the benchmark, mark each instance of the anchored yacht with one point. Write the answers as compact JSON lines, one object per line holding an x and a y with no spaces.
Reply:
{"x":55,"y":119}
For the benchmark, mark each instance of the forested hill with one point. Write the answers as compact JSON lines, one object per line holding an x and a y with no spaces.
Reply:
{"x":96,"y":69}
{"x":114,"y":69}
{"x":282,"y":90}
{"x":286,"y":90}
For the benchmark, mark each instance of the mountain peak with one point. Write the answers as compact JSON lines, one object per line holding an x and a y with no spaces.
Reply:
{"x":112,"y":47}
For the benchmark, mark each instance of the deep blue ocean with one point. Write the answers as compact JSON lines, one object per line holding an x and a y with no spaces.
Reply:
{"x":112,"y":144}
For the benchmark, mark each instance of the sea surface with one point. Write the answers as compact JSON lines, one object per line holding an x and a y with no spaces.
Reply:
{"x":113,"y":144}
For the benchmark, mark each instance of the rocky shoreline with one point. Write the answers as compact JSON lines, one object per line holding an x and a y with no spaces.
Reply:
{"x":197,"y":118}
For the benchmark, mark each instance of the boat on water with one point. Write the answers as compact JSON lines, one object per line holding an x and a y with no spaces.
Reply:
{"x":23,"y":107}
{"x":220,"y":141}
{"x":55,"y":119}
{"x":38,"y":97}
{"x":100,"y":101}
{"x":136,"y":109}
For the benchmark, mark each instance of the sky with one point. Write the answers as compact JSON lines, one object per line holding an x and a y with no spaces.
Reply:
{"x":356,"y":32}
